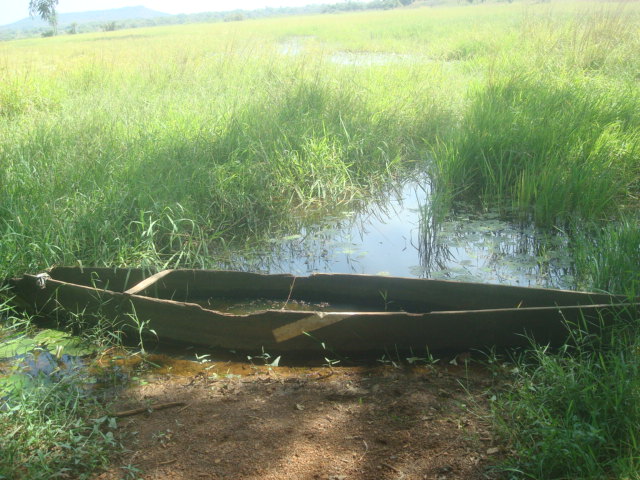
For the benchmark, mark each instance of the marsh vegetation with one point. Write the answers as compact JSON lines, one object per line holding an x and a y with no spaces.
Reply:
{"x":211,"y":146}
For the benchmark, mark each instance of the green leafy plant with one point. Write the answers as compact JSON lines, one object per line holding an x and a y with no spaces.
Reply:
{"x":266,"y":358}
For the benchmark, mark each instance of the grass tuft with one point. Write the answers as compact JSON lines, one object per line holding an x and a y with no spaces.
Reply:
{"x":53,"y":429}
{"x":574,"y":413}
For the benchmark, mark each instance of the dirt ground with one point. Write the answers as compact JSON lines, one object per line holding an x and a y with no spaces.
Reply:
{"x":342,"y":423}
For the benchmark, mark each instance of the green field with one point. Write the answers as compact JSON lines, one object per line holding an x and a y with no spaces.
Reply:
{"x":150,"y":146}
{"x":174,"y":146}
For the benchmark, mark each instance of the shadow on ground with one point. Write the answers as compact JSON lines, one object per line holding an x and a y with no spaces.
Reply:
{"x":340,"y":424}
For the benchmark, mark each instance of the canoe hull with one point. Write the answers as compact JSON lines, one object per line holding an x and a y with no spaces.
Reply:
{"x":305,"y":332}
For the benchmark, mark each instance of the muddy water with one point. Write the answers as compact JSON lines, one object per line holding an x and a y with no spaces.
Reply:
{"x":396,"y":235}
{"x":118,"y":366}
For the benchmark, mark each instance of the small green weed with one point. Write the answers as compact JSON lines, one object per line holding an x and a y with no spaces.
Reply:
{"x":52,"y":428}
{"x":52,"y":421}
{"x":266,"y":358}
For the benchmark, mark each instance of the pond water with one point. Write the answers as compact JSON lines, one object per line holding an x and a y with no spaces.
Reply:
{"x":367,"y":59}
{"x":293,"y":46}
{"x":396,"y":235}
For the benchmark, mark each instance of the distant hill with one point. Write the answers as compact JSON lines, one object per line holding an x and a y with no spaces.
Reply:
{"x":112,"y":15}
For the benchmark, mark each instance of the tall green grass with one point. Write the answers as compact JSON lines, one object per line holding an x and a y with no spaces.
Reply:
{"x":575,"y":413}
{"x":550,"y":149}
{"x":136,"y":166}
{"x":171,"y":141}
{"x":552,"y":131}
{"x":189,"y":175}
{"x":608,"y":257}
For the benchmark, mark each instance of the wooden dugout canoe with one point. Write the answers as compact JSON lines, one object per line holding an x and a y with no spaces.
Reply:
{"x":377,"y":314}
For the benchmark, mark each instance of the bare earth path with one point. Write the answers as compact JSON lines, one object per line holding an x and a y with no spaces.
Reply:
{"x":285,"y":424}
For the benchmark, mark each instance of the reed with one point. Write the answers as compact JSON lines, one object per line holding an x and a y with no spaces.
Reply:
{"x":214,"y":172}
{"x":549,"y":149}
{"x":606,"y":257}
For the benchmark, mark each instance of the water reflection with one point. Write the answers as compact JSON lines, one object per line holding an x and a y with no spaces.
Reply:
{"x":483,"y":248}
{"x":41,"y":362}
{"x":397,"y":234}
{"x":295,"y":45}
{"x":368,"y":59}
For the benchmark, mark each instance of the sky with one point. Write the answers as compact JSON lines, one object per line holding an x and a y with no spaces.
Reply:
{"x":14,"y":10}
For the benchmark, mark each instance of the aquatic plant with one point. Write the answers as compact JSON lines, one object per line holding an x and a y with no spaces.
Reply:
{"x":607,"y":257}
{"x":549,"y":149}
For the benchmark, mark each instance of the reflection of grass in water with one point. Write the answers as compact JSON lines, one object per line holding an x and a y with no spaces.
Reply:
{"x":484,"y":248}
